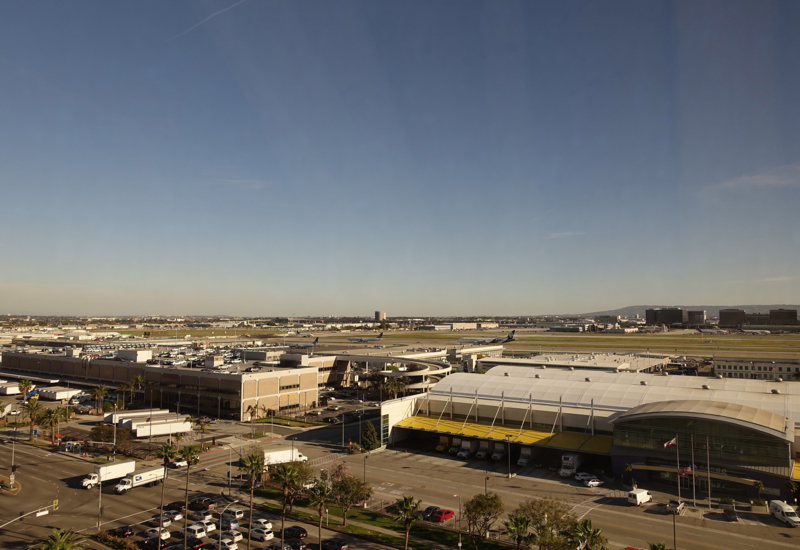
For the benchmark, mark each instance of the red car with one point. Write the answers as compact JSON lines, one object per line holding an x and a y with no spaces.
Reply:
{"x":441,"y":516}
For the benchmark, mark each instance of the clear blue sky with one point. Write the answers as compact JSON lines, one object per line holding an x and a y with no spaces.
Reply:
{"x":422,"y":158}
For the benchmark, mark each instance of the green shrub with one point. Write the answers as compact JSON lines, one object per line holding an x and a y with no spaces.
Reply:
{"x":726,"y":500}
{"x":758,"y":502}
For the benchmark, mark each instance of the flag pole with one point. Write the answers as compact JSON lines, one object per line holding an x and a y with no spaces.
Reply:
{"x":694,"y":485}
{"x":708,"y":468}
{"x":678,"y":462}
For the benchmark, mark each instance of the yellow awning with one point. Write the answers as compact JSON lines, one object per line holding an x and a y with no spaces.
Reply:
{"x":796,"y":471}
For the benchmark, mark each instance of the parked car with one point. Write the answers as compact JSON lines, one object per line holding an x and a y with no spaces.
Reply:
{"x":235,"y":536}
{"x":583,"y":476}
{"x":157,"y":531}
{"x":676,"y":507}
{"x":334,"y":544}
{"x":428,"y":512}
{"x":153,"y":543}
{"x":225,"y":544}
{"x":194,"y":543}
{"x":208,"y":524}
{"x":178,"y":464}
{"x":594,"y":482}
{"x":228,"y":523}
{"x":173,"y":515}
{"x":123,"y":531}
{"x":441,"y":516}
{"x":277,"y":546}
{"x":296,"y":544}
{"x":203,"y":503}
{"x":235,"y":513}
{"x":731,"y":515}
{"x":178,"y":505}
{"x":295,"y":532}
{"x":156,"y":521}
{"x":262,"y":534}
{"x":261,"y":524}
{"x":195,"y":530}
{"x":200,"y":516}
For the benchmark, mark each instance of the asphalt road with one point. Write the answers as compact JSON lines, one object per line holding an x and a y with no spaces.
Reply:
{"x":434,"y":478}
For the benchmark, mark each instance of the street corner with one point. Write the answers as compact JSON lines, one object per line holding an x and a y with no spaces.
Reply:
{"x":7,"y":488}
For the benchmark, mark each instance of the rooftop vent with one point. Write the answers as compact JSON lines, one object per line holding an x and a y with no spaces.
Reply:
{"x":588,"y":379}
{"x":705,"y":387}
{"x":719,"y":377}
{"x":537,"y":376}
{"x":776,"y":391}
{"x":572,"y":368}
{"x":505,"y":374}
{"x":779,"y":379}
{"x":643,"y":382}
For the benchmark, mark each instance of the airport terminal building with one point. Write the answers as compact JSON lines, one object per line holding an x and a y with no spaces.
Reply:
{"x":653,"y":428}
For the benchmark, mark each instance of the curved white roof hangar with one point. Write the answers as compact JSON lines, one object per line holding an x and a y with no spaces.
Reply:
{"x":618,"y":392}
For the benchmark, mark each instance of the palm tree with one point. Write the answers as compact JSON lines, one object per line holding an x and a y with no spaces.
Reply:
{"x":253,"y":465}
{"x":200,"y":425}
{"x":137,"y":382}
{"x":791,"y":486}
{"x":167,"y":454}
{"x":320,"y":497}
{"x":191,"y":454}
{"x":25,"y":386}
{"x":586,"y":537}
{"x":408,"y":513}
{"x":758,"y":484}
{"x":125,"y":387}
{"x":60,"y":539}
{"x":657,"y":546}
{"x":33,"y":410}
{"x":518,"y":529}
{"x":50,"y":418}
{"x":98,"y":393}
{"x":252,"y":410}
{"x":286,"y":475}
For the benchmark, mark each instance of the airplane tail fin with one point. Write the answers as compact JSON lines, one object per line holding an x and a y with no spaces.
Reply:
{"x":511,"y":335}
{"x":380,"y":336}
{"x":316,"y":341}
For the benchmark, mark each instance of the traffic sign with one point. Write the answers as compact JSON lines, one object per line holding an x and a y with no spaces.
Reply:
{"x":35,"y":432}
{"x":11,"y":478}
{"x":42,"y":513}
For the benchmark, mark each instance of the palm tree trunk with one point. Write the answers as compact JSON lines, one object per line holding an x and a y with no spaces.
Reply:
{"x":186,"y":510}
{"x":161,"y":508}
{"x":408,"y":528}
{"x":283,"y":518}
{"x":321,"y":510}
{"x":31,"y":436}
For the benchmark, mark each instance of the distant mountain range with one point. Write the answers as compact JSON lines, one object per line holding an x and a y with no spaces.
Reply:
{"x":711,"y":311}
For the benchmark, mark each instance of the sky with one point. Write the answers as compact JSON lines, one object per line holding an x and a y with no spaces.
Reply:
{"x":257,"y":158}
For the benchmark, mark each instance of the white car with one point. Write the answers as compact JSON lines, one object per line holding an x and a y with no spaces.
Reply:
{"x":583,"y":476}
{"x":173,"y":515}
{"x":261,"y":524}
{"x":208,"y":525}
{"x":235,"y":536}
{"x":154,"y":532}
{"x":262,"y":534}
{"x":226,"y":544}
{"x":594,"y":482}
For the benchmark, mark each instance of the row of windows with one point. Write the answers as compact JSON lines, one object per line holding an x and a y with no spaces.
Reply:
{"x":765,"y":369}
{"x":290,"y":387}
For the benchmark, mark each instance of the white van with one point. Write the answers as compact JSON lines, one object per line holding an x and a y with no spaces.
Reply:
{"x":235,"y":513}
{"x":638,"y":497}
{"x":783,"y":512}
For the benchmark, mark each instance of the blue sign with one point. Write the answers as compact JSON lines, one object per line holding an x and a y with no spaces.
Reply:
{"x":35,"y":432}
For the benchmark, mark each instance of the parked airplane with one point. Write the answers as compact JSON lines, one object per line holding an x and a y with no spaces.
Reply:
{"x":498,"y":340}
{"x":364,"y":339}
{"x":762,"y":332}
{"x":305,"y":334}
{"x":304,"y":346}
{"x":712,"y":331}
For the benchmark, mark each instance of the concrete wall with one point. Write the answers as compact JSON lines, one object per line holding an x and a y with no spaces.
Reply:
{"x":399,"y":409}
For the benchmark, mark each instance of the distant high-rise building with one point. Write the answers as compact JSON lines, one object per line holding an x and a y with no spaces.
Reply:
{"x":731,"y":317}
{"x":667,"y":316}
{"x":756,"y":318}
{"x":783,"y":317}
{"x":380,"y":316}
{"x":697,"y":317}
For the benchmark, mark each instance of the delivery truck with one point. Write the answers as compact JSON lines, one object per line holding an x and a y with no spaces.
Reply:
{"x":499,"y":451}
{"x":455,"y":445}
{"x":524,"y":457}
{"x":444,"y":443}
{"x":148,"y":476}
{"x":570,"y":463}
{"x":281,"y":455}
{"x":483,"y":450}
{"x":106,"y":472}
{"x":468,"y":448}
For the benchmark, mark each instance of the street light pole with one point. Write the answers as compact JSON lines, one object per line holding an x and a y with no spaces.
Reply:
{"x":509,"y":457}
{"x":459,"y":519}
{"x":219,"y":545}
{"x":114,"y":451}
{"x":365,"y":467}
{"x":486,"y":486}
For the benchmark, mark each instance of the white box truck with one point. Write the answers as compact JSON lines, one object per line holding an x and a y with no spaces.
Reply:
{"x":281,"y":455}
{"x":637,"y":497}
{"x":483,"y":450}
{"x":105,"y":472}
{"x":524,"y":457}
{"x":468,"y":448}
{"x":499,"y":451}
{"x":570,"y":463}
{"x":148,"y":476}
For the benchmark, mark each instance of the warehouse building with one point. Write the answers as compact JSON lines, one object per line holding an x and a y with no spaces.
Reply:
{"x":740,"y":431}
{"x":590,"y":361}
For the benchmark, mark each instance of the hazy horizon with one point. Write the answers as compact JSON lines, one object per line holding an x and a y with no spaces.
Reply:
{"x":424,"y":158}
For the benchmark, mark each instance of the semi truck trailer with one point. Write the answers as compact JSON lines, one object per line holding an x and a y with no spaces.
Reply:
{"x":108,"y":471}
{"x":147,"y":476}
{"x":281,"y":455}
